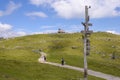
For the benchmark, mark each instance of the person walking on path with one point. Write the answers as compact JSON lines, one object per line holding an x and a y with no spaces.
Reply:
{"x":42,"y":58}
{"x":62,"y":61}
{"x":45,"y":58}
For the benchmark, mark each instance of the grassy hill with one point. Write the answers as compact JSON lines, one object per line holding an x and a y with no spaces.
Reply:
{"x":19,"y":56}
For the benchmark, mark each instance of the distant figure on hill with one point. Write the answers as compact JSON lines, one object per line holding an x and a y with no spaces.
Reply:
{"x":45,"y":58}
{"x":40,"y":50}
{"x":62,"y":61}
{"x":113,"y":56}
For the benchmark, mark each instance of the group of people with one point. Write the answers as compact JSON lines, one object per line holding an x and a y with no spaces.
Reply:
{"x":62,"y":60}
{"x":43,"y":57}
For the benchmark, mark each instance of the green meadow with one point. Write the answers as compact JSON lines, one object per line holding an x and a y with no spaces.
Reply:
{"x":19,"y":56}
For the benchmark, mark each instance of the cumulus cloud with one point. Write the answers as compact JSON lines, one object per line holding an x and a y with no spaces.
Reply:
{"x":11,"y":33}
{"x":45,"y":32}
{"x":5,"y":27}
{"x":36,"y":14}
{"x":105,"y":8}
{"x":75,"y":8}
{"x":11,"y":7}
{"x":68,"y":9}
{"x":37,"y":33}
{"x":39,"y":2}
{"x":113,"y":32}
{"x":50,"y":31}
{"x":21,"y":33}
{"x":6,"y":31}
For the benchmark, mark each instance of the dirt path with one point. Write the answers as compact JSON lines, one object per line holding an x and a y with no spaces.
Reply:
{"x":41,"y":59}
{"x":90,"y":72}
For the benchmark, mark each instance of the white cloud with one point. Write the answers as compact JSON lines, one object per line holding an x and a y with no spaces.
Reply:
{"x":37,"y":14}
{"x":47,"y":27}
{"x":7,"y":32}
{"x":21,"y":33}
{"x":36,"y":33}
{"x":5,"y":27}
{"x":105,"y":8}
{"x":68,"y":9}
{"x":113,"y":32}
{"x":75,"y":8}
{"x":10,"y":34}
{"x":50,"y":31}
{"x":40,"y":2}
{"x":45,"y":32}
{"x":11,"y":7}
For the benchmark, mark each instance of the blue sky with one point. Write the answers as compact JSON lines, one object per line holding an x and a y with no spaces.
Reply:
{"x":21,"y":17}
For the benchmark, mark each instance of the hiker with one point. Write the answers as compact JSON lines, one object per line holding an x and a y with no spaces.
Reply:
{"x":62,"y":61}
{"x":44,"y":58}
{"x":40,"y":50}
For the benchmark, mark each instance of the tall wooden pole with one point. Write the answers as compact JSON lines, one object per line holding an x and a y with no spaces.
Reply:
{"x":86,"y":32}
{"x":85,"y":39}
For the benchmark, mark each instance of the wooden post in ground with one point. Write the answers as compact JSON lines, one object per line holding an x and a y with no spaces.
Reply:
{"x":85,"y":36}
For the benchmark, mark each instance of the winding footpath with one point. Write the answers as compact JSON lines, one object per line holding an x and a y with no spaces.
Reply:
{"x":90,"y":72}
